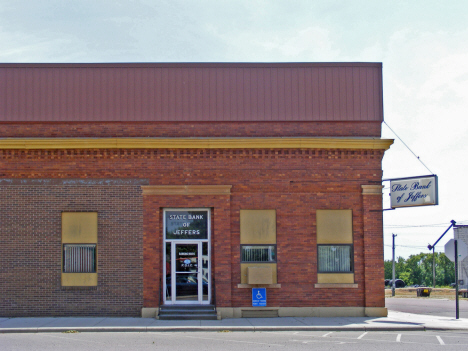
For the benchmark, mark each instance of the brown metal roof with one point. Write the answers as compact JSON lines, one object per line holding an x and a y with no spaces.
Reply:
{"x":191,"y":92}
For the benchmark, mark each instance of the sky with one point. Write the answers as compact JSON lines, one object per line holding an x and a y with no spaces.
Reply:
{"x":423,"y":46}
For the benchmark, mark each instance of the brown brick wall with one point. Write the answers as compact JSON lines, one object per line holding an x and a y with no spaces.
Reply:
{"x":294,"y":182}
{"x":30,"y":250}
{"x":187,"y":129}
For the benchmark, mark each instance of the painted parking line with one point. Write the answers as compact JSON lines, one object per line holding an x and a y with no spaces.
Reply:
{"x":440,"y":340}
{"x":329,"y":341}
{"x":325,"y":335}
{"x":362,"y":335}
{"x":398,"y":338}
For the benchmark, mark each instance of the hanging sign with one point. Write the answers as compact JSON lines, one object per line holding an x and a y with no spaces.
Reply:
{"x":414,"y":191}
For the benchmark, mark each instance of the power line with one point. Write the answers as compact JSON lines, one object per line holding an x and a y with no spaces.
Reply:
{"x":414,"y":247}
{"x":408,"y":147}
{"x":421,"y":225}
{"x":413,"y":226}
{"x":407,"y":246}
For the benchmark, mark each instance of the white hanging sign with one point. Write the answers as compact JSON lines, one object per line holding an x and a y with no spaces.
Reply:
{"x":414,"y":191}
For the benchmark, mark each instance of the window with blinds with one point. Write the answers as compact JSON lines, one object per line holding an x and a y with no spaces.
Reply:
{"x":258,"y":253}
{"x":335,"y":258}
{"x":79,"y":258}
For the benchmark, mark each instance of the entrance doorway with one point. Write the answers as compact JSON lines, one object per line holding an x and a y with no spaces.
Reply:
{"x":187,"y":265}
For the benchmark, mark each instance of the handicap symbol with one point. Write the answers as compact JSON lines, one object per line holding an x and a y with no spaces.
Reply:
{"x":259,"y":296}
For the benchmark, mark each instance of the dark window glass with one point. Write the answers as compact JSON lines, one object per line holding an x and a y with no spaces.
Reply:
{"x":79,"y":258}
{"x":335,"y":258}
{"x":258,"y":253}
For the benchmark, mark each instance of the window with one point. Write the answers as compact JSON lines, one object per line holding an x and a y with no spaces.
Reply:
{"x":79,"y":258}
{"x":258,"y":246}
{"x":335,"y":258}
{"x":258,"y":253}
{"x":79,"y":249}
{"x":335,"y":252}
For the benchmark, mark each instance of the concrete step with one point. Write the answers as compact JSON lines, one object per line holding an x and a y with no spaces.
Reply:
{"x":187,"y":312}
{"x":190,"y":307}
{"x":183,"y":316}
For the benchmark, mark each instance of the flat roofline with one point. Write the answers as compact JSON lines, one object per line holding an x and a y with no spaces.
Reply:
{"x":191,"y":64}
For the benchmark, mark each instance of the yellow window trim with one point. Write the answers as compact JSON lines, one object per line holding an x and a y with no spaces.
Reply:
{"x":334,"y":226}
{"x":257,"y":227}
{"x":79,"y":279}
{"x":335,"y":278}
{"x":245,"y":266}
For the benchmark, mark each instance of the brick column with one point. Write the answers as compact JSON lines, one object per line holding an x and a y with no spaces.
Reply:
{"x":374,"y":295}
{"x":221,"y":255}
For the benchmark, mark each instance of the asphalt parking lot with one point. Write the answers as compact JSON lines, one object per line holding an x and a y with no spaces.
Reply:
{"x":428,"y":306}
{"x":209,"y":341}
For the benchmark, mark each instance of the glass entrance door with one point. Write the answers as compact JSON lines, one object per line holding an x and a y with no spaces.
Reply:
{"x":186,"y":264}
{"x":187,"y":272}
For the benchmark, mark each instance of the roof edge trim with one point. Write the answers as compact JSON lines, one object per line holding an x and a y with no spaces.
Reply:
{"x":194,"y":143}
{"x":188,"y":64}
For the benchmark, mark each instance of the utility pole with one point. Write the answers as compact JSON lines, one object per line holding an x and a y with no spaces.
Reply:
{"x":393,"y":264}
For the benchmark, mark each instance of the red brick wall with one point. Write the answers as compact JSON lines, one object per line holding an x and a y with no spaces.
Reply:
{"x":220,"y":243}
{"x":294,"y":182}
{"x":187,"y":129}
{"x":373,"y":251}
{"x":30,"y":249}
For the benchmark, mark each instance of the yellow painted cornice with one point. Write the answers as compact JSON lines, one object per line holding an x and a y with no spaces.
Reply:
{"x":195,"y":143}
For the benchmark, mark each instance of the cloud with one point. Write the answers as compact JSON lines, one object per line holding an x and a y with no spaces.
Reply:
{"x":307,"y":44}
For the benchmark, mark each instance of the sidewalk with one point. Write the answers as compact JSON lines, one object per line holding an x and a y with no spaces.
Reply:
{"x":396,"y":321}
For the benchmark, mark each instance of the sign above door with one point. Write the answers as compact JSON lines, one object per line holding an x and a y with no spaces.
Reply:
{"x":186,"y":224}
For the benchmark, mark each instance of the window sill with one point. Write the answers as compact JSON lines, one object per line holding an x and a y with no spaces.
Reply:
{"x":78,"y":288}
{"x":250,"y":286}
{"x":79,"y":279}
{"x":335,"y":286}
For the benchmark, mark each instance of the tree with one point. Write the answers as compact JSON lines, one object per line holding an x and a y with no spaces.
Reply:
{"x":400,"y":265}
{"x":445,"y":270}
{"x":417,"y":269}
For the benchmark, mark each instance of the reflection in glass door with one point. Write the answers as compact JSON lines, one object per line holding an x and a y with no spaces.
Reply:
{"x":186,"y":272}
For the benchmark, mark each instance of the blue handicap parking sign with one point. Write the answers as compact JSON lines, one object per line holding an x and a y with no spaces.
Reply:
{"x":259,"y":297}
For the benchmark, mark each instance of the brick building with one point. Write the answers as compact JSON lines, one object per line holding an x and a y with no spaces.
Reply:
{"x":126,"y":187}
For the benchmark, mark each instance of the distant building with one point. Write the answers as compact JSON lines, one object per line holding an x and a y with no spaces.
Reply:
{"x":461,"y":234}
{"x":126,"y":187}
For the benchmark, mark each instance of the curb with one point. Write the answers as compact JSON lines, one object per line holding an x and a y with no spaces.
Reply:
{"x":219,"y":329}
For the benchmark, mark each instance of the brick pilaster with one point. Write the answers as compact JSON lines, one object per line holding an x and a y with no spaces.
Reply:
{"x":373,"y":246}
